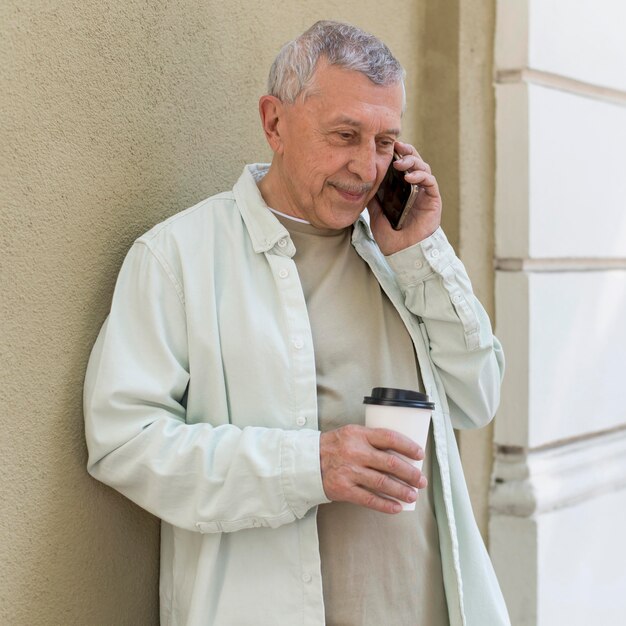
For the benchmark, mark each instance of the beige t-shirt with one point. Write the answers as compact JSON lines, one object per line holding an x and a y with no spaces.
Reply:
{"x":376,"y":568}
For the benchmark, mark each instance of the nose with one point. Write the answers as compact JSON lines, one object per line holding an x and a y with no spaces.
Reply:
{"x":363,"y":162}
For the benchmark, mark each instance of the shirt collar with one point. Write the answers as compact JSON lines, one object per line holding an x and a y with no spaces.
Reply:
{"x":362,"y":228}
{"x":265,"y":230}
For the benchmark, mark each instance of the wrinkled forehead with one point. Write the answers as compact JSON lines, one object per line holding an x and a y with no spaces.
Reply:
{"x":389,"y":94}
{"x":334,"y":82}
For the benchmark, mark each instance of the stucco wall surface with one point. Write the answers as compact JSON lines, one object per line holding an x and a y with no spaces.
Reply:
{"x":116,"y":115}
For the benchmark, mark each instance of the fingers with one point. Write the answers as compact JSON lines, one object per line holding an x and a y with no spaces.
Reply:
{"x":374,"y":490}
{"x":409,"y":155}
{"x":385,"y":439}
{"x":412,"y":162}
{"x":386,"y":485}
{"x":404,"y":149}
{"x":417,"y":171}
{"x":396,"y":467}
{"x":361,"y":465}
{"x":427,"y":182}
{"x":374,"y":501}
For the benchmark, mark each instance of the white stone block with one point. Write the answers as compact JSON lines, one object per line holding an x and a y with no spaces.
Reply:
{"x":577,"y":179}
{"x":581,"y":553}
{"x":583,"y":40}
{"x":564,"y":336}
{"x":577,"y":344}
{"x":555,"y":530}
{"x":560,"y":175}
{"x":563,"y":567}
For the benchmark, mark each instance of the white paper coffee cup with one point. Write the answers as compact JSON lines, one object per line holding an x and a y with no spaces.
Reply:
{"x":407,"y":412}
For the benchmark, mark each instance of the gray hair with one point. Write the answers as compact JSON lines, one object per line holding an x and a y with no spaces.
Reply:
{"x":340,"y":44}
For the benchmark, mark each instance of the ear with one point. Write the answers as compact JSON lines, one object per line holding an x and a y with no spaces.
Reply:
{"x":271,"y":110}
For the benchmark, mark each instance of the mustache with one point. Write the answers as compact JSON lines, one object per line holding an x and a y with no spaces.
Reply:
{"x":355,"y":188}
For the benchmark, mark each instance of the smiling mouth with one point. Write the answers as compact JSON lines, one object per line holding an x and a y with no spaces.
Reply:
{"x":353,"y":194}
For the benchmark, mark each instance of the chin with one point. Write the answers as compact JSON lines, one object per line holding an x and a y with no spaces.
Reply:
{"x":341,"y":221}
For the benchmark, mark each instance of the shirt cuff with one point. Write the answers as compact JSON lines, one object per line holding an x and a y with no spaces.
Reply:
{"x":413,"y":264}
{"x":301,"y":472}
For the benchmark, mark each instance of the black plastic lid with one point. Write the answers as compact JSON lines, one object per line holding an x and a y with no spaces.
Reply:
{"x":399,"y":397}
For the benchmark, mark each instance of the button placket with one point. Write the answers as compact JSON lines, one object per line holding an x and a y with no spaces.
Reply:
{"x":301,"y":371}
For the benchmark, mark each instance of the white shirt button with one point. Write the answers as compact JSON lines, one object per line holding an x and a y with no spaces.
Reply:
{"x":306,"y":577}
{"x":298,"y":343}
{"x":457,"y":298}
{"x":283,"y":273}
{"x":282,"y":242}
{"x":418,"y":264}
{"x":434,"y":253}
{"x":301,"y":420}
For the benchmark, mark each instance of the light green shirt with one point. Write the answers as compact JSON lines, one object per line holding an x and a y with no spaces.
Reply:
{"x":201,"y":407}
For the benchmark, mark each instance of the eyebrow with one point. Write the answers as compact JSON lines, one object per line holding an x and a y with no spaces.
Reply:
{"x":351,"y":122}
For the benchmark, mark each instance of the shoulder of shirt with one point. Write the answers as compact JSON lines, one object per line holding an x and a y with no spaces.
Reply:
{"x":194,"y":220}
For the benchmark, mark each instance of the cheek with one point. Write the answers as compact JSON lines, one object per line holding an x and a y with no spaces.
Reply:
{"x":306,"y":179}
{"x":319,"y":170}
{"x":381,"y":170}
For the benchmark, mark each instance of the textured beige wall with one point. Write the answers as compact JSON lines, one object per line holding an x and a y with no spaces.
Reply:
{"x":116,"y":114}
{"x":476,"y":185}
{"x":438,"y":104}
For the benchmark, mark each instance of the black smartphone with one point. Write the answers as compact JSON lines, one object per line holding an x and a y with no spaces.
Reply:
{"x":395,"y":195}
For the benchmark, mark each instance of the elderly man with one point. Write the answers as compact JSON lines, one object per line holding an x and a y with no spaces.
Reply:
{"x":224,"y":393}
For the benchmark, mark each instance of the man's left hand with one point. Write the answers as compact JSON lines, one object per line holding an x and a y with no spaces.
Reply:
{"x":425,"y":214}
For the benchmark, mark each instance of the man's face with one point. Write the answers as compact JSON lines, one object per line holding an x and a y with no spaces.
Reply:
{"x":336,"y":146}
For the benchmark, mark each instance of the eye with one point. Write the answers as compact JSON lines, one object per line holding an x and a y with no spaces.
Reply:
{"x":345,"y":134}
{"x":386,"y":144}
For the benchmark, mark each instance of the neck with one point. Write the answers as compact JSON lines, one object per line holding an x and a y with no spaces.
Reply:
{"x":275,"y":193}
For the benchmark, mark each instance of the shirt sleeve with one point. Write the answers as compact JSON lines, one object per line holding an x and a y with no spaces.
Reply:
{"x":210,"y":476}
{"x":463,"y":349}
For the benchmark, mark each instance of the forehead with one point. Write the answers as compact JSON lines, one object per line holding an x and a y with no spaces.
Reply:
{"x":340,"y":95}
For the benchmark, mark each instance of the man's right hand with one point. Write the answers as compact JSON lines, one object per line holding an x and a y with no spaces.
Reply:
{"x":358,"y":467}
